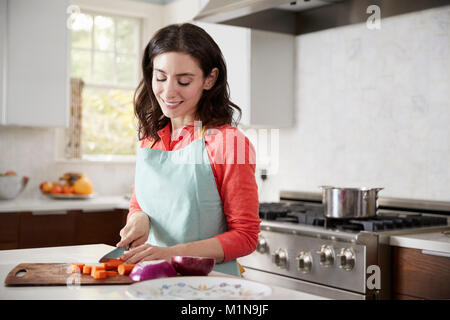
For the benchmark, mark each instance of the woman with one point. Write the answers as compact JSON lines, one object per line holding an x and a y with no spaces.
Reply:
{"x":203,"y":208}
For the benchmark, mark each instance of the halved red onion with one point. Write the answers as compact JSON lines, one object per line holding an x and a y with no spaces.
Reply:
{"x":154,"y":269}
{"x":193,"y":266}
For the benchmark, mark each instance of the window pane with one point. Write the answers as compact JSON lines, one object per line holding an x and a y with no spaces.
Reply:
{"x":81,"y":64}
{"x":127,"y":31}
{"x":104,"y":67}
{"x":108,"y":122}
{"x":81,"y":31}
{"x":126,"y":69}
{"x":104,"y":33}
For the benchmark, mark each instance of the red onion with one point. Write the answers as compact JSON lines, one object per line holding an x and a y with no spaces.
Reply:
{"x":193,"y":266}
{"x":154,"y":269}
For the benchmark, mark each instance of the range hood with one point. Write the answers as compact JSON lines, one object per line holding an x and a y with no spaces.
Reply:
{"x":218,"y":11}
{"x":302,"y":16}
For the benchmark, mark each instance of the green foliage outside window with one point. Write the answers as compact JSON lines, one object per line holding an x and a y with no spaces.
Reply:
{"x":108,"y":125}
{"x":105,"y":55}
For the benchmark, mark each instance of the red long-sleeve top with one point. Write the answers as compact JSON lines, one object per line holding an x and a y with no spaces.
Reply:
{"x":232,"y":158}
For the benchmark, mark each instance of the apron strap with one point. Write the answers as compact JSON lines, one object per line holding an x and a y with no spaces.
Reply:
{"x":202,"y":136}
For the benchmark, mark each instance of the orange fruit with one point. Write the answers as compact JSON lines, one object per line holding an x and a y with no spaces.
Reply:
{"x":68,"y":189}
{"x":83,"y":186}
{"x":56,"y":189}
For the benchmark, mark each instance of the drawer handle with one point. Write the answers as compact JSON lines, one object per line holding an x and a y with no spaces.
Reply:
{"x":47,"y":213}
{"x":436,"y":253}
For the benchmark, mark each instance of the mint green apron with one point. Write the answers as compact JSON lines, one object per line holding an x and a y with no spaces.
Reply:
{"x":178,"y":191}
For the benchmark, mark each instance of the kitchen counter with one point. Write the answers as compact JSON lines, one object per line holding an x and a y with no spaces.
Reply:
{"x":436,"y":242}
{"x":44,"y":203}
{"x":88,"y":253}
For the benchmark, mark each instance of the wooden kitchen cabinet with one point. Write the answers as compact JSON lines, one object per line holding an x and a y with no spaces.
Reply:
{"x":35,"y":48}
{"x":9,"y":231}
{"x":21,"y":230}
{"x":100,"y":227}
{"x":420,"y":276}
{"x":47,"y":229}
{"x":260,"y":67}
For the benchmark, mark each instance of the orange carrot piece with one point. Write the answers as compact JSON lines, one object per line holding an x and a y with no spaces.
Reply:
{"x":100,"y":274}
{"x":77,"y":267}
{"x":125,"y":269}
{"x":94,"y":269}
{"x":87,"y":269}
{"x":112,"y":264}
{"x":111,"y":273}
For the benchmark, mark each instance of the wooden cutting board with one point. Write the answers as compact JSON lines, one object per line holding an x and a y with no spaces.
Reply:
{"x":56,"y":274}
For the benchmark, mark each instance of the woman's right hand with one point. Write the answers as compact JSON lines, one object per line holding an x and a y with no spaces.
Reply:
{"x":135,"y":231}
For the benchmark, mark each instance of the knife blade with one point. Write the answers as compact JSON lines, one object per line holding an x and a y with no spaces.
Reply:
{"x":114,"y":254}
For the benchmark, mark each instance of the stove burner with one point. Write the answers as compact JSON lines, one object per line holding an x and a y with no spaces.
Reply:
{"x":312,"y":214}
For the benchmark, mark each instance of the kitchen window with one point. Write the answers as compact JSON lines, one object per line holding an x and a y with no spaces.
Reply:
{"x":105,"y":53}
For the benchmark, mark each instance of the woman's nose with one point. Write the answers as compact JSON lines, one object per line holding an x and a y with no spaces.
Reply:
{"x":170,"y":88}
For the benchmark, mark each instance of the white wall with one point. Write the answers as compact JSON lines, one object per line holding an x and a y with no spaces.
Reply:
{"x":372,"y":109}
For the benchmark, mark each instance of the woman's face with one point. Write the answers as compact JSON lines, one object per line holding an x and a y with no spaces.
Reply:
{"x":178,"y":84}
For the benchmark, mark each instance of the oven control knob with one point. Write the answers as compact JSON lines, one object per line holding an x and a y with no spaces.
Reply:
{"x":280,"y":258}
{"x":262,"y":245}
{"x":346,"y":259}
{"x":304,"y":262}
{"x":326,"y":255}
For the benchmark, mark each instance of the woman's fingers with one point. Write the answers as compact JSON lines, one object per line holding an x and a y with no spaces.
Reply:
{"x":143,"y":252}
{"x":139,"y":241}
{"x":130,"y":255}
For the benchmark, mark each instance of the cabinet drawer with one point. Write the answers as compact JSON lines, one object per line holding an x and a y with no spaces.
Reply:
{"x":100,"y":227}
{"x":420,"y":275}
{"x":9,"y":230}
{"x":47,"y":229}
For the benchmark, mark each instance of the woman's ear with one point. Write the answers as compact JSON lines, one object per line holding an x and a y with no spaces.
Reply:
{"x":211,"y":79}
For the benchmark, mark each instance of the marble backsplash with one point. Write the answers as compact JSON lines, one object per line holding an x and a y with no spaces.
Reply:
{"x":372,"y":109}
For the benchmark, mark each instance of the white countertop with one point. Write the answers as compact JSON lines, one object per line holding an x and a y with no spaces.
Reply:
{"x":88,"y":253}
{"x":437,"y":241}
{"x":44,"y":203}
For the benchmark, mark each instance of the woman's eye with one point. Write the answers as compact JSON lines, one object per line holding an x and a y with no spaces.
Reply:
{"x":183,"y":83}
{"x":160,"y":79}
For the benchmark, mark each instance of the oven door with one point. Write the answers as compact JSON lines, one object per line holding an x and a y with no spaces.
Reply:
{"x":303,"y":286}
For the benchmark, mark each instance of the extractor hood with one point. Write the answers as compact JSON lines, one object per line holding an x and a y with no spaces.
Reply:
{"x":218,"y":11}
{"x":302,"y":16}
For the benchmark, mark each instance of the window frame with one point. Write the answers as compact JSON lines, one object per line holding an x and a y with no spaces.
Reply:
{"x":110,"y":158}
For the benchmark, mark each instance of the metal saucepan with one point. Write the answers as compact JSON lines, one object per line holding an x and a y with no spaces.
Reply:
{"x":341,"y":203}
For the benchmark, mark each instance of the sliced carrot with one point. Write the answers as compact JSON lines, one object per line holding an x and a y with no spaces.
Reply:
{"x":125,"y":269}
{"x":100,"y":274}
{"x":87,"y":269}
{"x":112,"y":264}
{"x":77,"y":267}
{"x":94,"y":269}
{"x":111,"y":273}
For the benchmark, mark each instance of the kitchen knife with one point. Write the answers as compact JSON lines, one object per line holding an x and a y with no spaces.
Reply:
{"x":114,"y":254}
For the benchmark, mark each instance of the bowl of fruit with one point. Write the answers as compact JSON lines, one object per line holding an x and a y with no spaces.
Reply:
{"x":69,"y":186}
{"x":11,"y":185}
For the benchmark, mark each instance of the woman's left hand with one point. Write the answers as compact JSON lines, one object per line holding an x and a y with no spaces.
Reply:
{"x":147,"y":252}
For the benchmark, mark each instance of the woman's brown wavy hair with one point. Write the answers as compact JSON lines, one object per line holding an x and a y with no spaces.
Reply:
{"x":214,"y":107}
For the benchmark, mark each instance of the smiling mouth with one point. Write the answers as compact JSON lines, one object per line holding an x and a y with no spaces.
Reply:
{"x":172,"y":105}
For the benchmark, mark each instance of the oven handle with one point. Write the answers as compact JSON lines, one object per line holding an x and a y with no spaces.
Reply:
{"x":436,"y":253}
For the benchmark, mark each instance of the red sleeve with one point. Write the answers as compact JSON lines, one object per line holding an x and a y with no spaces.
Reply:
{"x":134,"y":206}
{"x":238,"y":190}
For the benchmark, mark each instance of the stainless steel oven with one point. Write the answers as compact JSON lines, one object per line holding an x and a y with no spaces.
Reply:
{"x":299,"y":248}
